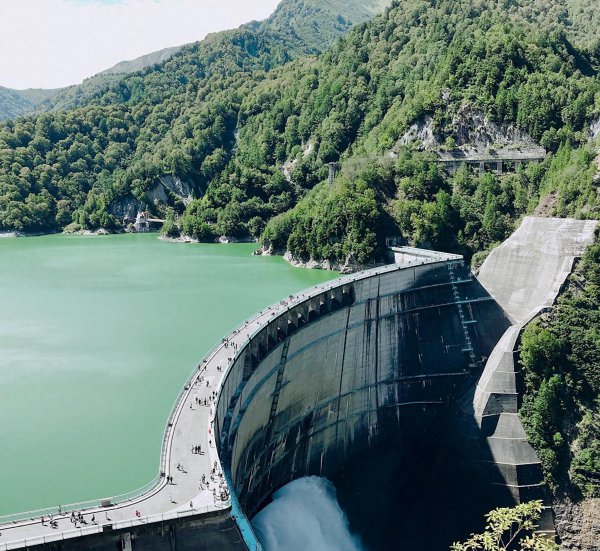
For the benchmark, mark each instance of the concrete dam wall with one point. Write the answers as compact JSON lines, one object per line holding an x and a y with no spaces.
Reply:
{"x":372,"y":359}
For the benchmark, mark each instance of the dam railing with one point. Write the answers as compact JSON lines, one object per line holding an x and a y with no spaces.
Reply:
{"x":81,"y":505}
{"x":101,"y":526}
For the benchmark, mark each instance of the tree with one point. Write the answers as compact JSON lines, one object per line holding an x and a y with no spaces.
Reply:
{"x":170,"y":228}
{"x":510,"y":529}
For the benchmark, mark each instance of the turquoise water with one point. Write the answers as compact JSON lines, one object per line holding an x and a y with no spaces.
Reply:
{"x":97,"y":336}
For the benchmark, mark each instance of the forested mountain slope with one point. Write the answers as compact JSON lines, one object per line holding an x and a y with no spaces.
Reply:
{"x":441,"y":62}
{"x":14,"y":103}
{"x":305,"y":26}
{"x":139,"y":63}
{"x":177,"y":118}
{"x":249,"y":131}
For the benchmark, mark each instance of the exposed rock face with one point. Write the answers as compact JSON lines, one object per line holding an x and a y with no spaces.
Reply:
{"x":346,"y":268}
{"x":471,"y":127}
{"x":546,"y":206}
{"x":157,"y":194}
{"x":595,"y":129}
{"x":421,"y":131}
{"x":126,"y":207}
{"x":229,"y":239}
{"x":578,"y":525}
{"x":177,"y":186}
{"x":287,"y":168}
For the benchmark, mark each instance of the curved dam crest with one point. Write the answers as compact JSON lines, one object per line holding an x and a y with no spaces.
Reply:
{"x":329,"y":376}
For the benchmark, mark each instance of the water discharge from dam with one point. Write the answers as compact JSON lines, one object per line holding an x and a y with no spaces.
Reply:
{"x":305,"y":514}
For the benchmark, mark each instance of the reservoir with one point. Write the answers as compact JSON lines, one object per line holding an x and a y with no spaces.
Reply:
{"x":97,"y":336}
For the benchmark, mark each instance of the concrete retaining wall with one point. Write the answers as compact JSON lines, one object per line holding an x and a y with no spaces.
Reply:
{"x":205,"y":532}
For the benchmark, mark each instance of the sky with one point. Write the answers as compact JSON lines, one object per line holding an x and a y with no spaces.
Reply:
{"x":55,"y":43}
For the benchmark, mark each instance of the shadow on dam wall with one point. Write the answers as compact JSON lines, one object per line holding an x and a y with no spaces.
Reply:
{"x":363,"y":385}
{"x":421,"y":493}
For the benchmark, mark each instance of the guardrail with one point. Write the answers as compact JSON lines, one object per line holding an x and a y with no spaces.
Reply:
{"x":97,"y":528}
{"x":80,"y":506}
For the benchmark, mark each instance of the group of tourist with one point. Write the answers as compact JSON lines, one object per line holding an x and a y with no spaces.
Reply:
{"x":51,"y":521}
{"x":76,"y":518}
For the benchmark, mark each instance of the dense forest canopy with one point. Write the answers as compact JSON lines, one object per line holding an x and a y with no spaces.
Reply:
{"x":177,"y":118}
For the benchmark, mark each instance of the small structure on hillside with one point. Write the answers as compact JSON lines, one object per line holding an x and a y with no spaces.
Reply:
{"x":334,"y":169}
{"x":491,"y":160}
{"x":143,"y":223}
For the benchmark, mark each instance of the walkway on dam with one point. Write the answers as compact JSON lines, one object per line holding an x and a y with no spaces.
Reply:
{"x":190,"y":424}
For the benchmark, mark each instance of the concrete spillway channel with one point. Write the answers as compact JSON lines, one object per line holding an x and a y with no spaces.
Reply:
{"x":323,"y":378}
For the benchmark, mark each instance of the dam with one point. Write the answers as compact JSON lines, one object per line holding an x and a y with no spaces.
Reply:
{"x":324,"y":377}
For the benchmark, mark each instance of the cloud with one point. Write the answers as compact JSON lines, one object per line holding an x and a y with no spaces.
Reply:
{"x":54,"y":43}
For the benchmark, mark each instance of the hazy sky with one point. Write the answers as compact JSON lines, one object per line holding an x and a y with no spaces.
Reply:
{"x":54,"y":43}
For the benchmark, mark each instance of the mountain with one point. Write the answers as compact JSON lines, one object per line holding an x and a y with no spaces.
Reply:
{"x":141,"y":62}
{"x":307,"y":26}
{"x":93,"y":164}
{"x":246,"y":123}
{"x":80,"y":94}
{"x":312,"y":25}
{"x":15,"y":103}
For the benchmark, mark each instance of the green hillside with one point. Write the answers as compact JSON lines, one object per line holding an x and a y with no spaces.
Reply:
{"x":15,"y":103}
{"x":307,"y":26}
{"x":248,"y":124}
{"x":170,"y":119}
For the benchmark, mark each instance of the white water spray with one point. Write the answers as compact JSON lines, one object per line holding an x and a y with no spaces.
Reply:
{"x":305,"y":514}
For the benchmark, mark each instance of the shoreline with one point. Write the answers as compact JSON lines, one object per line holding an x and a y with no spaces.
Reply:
{"x":326,"y":265}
